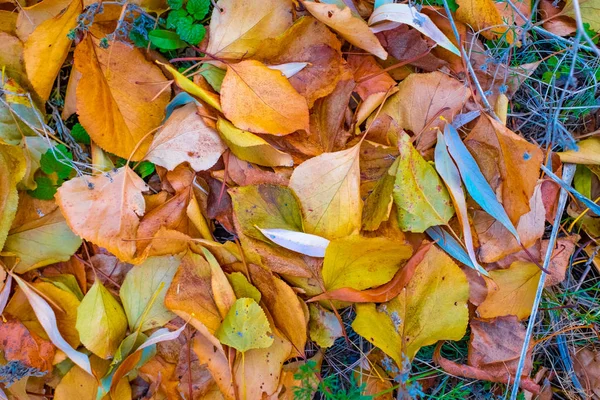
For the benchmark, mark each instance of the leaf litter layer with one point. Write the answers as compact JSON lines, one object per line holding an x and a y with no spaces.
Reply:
{"x":299,"y":199}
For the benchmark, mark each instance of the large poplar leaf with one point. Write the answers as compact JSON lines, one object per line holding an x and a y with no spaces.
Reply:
{"x":144,"y":289}
{"x":237,"y":28}
{"x":245,"y":327}
{"x":185,"y":137}
{"x":328,"y":187}
{"x":349,"y":25}
{"x":433,"y":307}
{"x":259,"y":99}
{"x":12,"y":170}
{"x":101,"y":322}
{"x":115,"y":108}
{"x":419,"y":194}
{"x":35,"y":15}
{"x":359,"y":262}
{"x":47,"y":48}
{"x":105,"y":209}
{"x":41,"y":242}
{"x":250,"y":147}
{"x":483,"y":16}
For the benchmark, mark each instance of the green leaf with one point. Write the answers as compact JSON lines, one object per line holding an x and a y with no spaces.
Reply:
{"x":175,"y":17}
{"x":45,"y":190}
{"x":213,"y":75}
{"x":58,"y":159}
{"x":142,"y":286}
{"x":189,"y":31}
{"x":198,"y":8}
{"x":80,"y":134}
{"x":101,"y":322}
{"x":166,"y":40}
{"x":245,"y":327}
{"x":66,"y":282}
{"x":242,"y":287}
{"x":145,"y":169}
{"x":175,"y":4}
{"x":419,"y":193}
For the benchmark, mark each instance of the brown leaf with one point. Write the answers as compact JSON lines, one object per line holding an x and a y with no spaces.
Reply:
{"x":24,"y":349}
{"x":404,"y":43}
{"x":586,"y":364}
{"x":561,"y":25}
{"x":310,"y":41}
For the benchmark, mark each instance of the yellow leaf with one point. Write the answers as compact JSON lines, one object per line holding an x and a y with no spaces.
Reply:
{"x":588,"y":152}
{"x":589,"y":12}
{"x":324,"y":327}
{"x":63,"y":303}
{"x":101,"y":322}
{"x":350,"y":26}
{"x":185,"y":137}
{"x":33,"y":148}
{"x":8,"y":22}
{"x":12,"y":170}
{"x":41,"y":242}
{"x":432,"y":307}
{"x":378,"y":204}
{"x":114,"y":107}
{"x":360,"y":263}
{"x":32,"y":17}
{"x":482,"y":15}
{"x":237,"y":28}
{"x":512,"y":291}
{"x":212,"y":99}
{"x":328,"y":187}
{"x":259,"y":99}
{"x":47,"y":48}
{"x":250,"y":147}
{"x":105,"y":209}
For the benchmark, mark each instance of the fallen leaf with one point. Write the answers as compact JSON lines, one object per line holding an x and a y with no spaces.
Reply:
{"x":419,"y":194}
{"x":143,"y":292}
{"x":324,"y":327}
{"x":309,"y":41}
{"x":451,"y":177}
{"x":185,"y":137}
{"x":405,"y":14}
{"x":379,"y":202}
{"x":23,"y":349}
{"x":254,"y":21}
{"x":283,"y":305}
{"x":328,"y":187}
{"x":47,"y":48}
{"x":350,"y":26}
{"x":12,"y":170}
{"x":35,"y":15}
{"x":110,"y":101}
{"x":250,"y":147}
{"x":33,"y":149}
{"x":587,"y":368}
{"x":588,"y":12}
{"x":101,"y":322}
{"x":303,"y":243}
{"x":259,"y":99}
{"x":105,"y":209}
{"x":512,"y":291}
{"x":518,"y":163}
{"x":359,"y":263}
{"x":484,"y":17}
{"x":420,"y":102}
{"x":561,"y":25}
{"x":586,"y":153}
{"x":266,"y":207}
{"x":41,"y":242}
{"x":245,"y":327}
{"x":432,"y":307}
{"x":47,"y":319}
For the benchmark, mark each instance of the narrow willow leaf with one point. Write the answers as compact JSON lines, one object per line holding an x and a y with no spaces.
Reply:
{"x":5,"y":293}
{"x":47,"y":319}
{"x":444,"y":240}
{"x":451,"y":177}
{"x":303,"y":243}
{"x":595,"y":208}
{"x":474,"y":181}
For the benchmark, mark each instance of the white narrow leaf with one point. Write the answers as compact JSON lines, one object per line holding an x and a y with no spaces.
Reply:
{"x":5,"y":293}
{"x":47,"y":319}
{"x":289,"y":69}
{"x":161,"y":335}
{"x":300,"y":242}
{"x":405,"y":14}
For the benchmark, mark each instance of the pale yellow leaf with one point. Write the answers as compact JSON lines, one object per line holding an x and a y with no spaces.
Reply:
{"x":12,"y":170}
{"x":328,"y":187}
